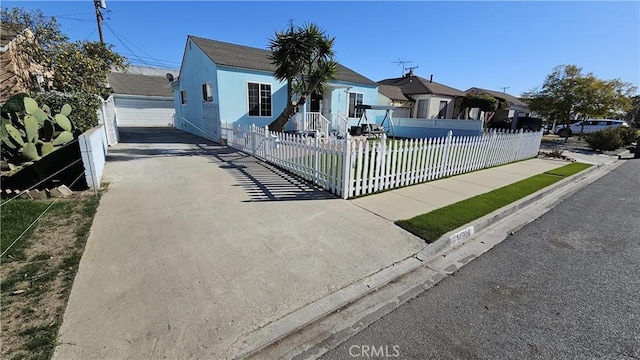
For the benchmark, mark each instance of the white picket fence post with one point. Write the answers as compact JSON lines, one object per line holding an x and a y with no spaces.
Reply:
{"x":252,"y":130}
{"x":316,"y":160}
{"x":347,"y":184}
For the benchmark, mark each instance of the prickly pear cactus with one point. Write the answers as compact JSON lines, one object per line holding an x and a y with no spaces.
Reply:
{"x":28,"y":132}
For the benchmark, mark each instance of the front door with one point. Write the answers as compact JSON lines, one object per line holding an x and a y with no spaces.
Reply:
{"x":211,"y":121}
{"x":314,"y":103}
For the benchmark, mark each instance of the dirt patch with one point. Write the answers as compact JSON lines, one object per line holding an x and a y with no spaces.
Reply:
{"x":35,"y":290}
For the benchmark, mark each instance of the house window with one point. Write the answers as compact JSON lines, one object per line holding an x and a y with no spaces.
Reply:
{"x":183,"y":97}
{"x":442,"y":113}
{"x":207,"y":92}
{"x":259,"y":99}
{"x":422,"y":109}
{"x":355,"y":99}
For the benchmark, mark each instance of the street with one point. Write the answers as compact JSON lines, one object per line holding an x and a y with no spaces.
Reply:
{"x":565,"y":286}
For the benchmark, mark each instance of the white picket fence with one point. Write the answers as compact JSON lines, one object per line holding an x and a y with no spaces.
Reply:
{"x":356,"y":166}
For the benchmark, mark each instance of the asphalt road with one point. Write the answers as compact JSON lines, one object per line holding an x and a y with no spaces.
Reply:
{"x":566,"y":286}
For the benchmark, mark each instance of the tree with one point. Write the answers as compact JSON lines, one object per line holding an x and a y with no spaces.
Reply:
{"x":567,"y":93}
{"x":80,"y":68}
{"x":633,"y":115}
{"x":483,"y":101}
{"x":304,"y":58}
{"x":45,"y":29}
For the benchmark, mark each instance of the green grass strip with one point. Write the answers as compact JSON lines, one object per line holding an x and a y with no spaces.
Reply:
{"x":431,"y":226}
{"x":569,"y":170}
{"x":15,"y":217}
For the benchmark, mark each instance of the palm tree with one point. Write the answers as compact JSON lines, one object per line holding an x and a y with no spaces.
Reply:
{"x":304,"y":58}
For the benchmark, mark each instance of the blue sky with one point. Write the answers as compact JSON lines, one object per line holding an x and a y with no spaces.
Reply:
{"x":463,"y":44}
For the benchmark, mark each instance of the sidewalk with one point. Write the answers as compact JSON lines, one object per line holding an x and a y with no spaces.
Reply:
{"x":405,"y":203}
{"x":200,"y":251}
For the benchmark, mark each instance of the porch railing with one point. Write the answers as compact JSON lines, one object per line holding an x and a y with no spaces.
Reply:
{"x":312,"y":121}
{"x":342,"y":124}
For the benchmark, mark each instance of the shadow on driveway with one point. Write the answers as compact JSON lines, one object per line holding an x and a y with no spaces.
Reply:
{"x":261,"y":181}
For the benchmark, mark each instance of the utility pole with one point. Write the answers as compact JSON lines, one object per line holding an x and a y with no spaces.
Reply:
{"x":98,"y":4}
{"x":504,"y":88}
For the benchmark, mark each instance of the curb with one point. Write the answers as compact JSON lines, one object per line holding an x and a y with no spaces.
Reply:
{"x":453,"y":238}
{"x":280,"y":329}
{"x":310,"y":313}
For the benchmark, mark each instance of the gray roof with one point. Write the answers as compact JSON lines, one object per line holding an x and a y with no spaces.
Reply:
{"x":135,"y":84}
{"x":240,"y":56}
{"x":512,"y":100}
{"x":146,"y":70}
{"x":392,"y":92}
{"x":9,"y":31}
{"x":413,"y":85}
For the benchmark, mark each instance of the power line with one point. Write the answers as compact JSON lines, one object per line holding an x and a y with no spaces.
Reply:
{"x":136,"y":46}
{"x":153,"y":60}
{"x":93,"y":32}
{"x":74,"y":19}
{"x":159,"y":62}
{"x":125,"y":45}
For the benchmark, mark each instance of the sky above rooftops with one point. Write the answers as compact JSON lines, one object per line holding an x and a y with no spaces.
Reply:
{"x":463,"y":44}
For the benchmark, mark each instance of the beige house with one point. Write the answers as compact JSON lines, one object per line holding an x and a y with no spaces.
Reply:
{"x":393,"y":96}
{"x":18,"y":72}
{"x":431,"y":100}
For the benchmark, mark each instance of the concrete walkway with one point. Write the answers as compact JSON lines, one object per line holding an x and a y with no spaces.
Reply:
{"x":411,"y":201}
{"x":196,"y":248}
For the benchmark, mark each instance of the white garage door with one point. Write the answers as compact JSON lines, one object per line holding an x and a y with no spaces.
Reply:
{"x":144,"y":112}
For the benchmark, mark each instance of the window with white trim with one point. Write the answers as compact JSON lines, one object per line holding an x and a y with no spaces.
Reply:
{"x":355,"y":99}
{"x":207,"y":92}
{"x":259,"y":99}
{"x":442,"y":112}
{"x":183,"y":97}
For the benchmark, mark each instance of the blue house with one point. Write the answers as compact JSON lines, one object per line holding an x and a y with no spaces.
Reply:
{"x":233,"y":84}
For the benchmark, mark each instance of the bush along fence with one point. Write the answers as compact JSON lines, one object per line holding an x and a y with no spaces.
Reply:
{"x":357,"y":166}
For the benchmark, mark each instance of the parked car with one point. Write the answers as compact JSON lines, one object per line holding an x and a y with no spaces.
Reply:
{"x":590,"y":126}
{"x":525,"y":122}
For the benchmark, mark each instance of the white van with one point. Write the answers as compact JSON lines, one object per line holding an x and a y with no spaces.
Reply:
{"x":591,"y":125}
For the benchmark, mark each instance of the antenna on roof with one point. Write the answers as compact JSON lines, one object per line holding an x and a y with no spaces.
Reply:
{"x":410,"y":68}
{"x":504,"y":88}
{"x":399,"y":62}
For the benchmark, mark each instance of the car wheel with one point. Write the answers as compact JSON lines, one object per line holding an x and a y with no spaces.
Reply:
{"x":564,"y":132}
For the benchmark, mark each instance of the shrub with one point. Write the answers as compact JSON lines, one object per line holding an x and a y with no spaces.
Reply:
{"x":607,"y":139}
{"x":628,"y":135}
{"x":84,"y":115}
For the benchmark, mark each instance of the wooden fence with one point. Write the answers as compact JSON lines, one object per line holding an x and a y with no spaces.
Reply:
{"x":356,"y":166}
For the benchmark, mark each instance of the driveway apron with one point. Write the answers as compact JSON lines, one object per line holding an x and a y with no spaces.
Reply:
{"x":195,"y":245}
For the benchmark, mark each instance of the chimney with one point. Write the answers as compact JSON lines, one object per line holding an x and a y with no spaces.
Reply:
{"x":431,"y":79}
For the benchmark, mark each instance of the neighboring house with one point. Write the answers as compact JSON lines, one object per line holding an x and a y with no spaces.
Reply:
{"x":18,"y":72}
{"x":141,"y":97}
{"x":392,"y":96}
{"x":515,"y":105}
{"x":221,"y":82}
{"x":432,"y":100}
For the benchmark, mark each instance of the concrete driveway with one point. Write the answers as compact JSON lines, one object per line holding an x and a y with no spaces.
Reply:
{"x":195,"y":245}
